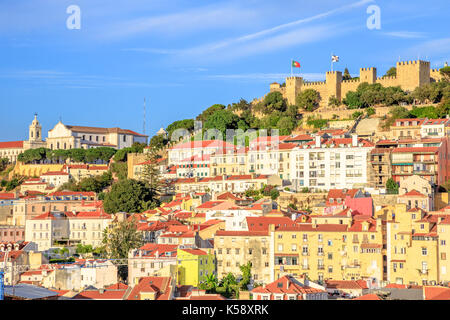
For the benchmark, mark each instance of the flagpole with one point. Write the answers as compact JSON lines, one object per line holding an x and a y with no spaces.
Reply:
{"x":331,"y":61}
{"x":292,"y":61}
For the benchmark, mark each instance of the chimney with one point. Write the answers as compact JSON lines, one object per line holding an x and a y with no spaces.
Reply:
{"x":102,"y":291}
{"x":318,"y":138}
{"x":354,"y":140}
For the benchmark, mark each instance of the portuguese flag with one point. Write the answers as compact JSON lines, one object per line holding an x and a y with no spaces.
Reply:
{"x":295,"y":64}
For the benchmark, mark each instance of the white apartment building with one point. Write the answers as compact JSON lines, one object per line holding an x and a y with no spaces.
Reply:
{"x":435,"y":128}
{"x":235,"y":220}
{"x":330,"y":163}
{"x":186,"y":150}
{"x":66,"y":227}
{"x":55,"y":178}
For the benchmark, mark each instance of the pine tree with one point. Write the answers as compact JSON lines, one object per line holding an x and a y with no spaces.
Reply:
{"x":346,"y":75}
{"x":151,"y":174}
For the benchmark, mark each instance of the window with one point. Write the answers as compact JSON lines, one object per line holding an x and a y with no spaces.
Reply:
{"x":330,"y":256}
{"x":424,"y":251}
{"x":330,"y":242}
{"x":305,"y":237}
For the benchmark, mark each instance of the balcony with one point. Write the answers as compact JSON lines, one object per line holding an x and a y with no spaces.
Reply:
{"x":320,"y":267}
{"x":320,"y":253}
{"x":305,"y":267}
{"x":305,"y":253}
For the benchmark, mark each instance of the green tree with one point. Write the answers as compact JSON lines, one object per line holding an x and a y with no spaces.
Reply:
{"x":333,"y":101}
{"x":274,"y":194}
{"x":128,"y":196}
{"x":394,"y":114}
{"x":392,"y":72}
{"x":246,"y":271}
{"x":187,"y":124}
{"x":445,"y":72}
{"x":3,"y":163}
{"x":210,"y":111}
{"x":151,"y":174}
{"x":370,"y":111}
{"x":230,"y":284}
{"x":222,"y":120}
{"x":392,"y":186}
{"x":274,"y":101}
{"x":158,"y":142}
{"x":286,"y":125}
{"x":346,"y":75}
{"x":352,"y":100}
{"x":308,"y":99}
{"x":119,"y":239}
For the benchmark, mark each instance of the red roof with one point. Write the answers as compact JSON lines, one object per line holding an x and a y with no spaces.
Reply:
{"x":203,"y":144}
{"x":286,"y":285}
{"x":161,"y":286}
{"x":436,"y":293}
{"x":196,"y":252}
{"x":98,"y":295}
{"x":346,"y":284}
{"x":92,"y":215}
{"x":241,"y":233}
{"x":414,"y":193}
{"x":11,"y":145}
{"x":370,"y":296}
{"x":416,"y":150}
{"x":7,"y":196}
{"x":262,"y":223}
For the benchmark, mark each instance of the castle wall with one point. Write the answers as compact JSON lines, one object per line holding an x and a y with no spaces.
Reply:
{"x":435,"y":75}
{"x":349,"y":85}
{"x":388,"y":81}
{"x":320,"y":87}
{"x":410,"y":75}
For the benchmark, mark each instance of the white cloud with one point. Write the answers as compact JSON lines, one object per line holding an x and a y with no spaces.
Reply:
{"x":405,"y":34}
{"x":197,"y":19}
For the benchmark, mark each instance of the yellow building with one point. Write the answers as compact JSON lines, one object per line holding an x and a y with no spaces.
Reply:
{"x":194,"y":265}
{"x":329,"y":251}
{"x":236,"y":248}
{"x":416,"y":245}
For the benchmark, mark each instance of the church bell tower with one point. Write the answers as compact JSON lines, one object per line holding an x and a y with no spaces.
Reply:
{"x":35,"y":133}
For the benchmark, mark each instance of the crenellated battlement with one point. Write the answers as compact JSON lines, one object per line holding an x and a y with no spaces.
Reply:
{"x":413,"y":62}
{"x":387,"y":78}
{"x":314,"y":83}
{"x":367,"y":69}
{"x":351,"y":81}
{"x":410,"y":75}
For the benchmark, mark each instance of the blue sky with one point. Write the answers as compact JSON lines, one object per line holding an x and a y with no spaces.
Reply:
{"x":184,"y":56}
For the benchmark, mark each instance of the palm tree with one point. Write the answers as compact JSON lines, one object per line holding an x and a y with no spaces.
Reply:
{"x":211,"y":282}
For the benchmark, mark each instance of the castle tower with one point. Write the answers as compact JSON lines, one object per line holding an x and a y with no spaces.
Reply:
{"x":333,"y":83}
{"x":368,"y":75}
{"x":35,"y":131}
{"x":412,"y":74}
{"x":293,"y":88}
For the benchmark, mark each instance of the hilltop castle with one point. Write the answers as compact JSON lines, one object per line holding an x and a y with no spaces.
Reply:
{"x":410,"y":75}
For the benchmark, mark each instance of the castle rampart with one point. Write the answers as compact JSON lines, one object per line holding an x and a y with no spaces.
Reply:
{"x":410,"y":75}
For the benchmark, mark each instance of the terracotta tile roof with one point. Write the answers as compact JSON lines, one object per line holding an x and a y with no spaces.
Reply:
{"x":7,"y":196}
{"x":11,"y":145}
{"x":286,"y":285}
{"x":55,"y":173}
{"x":103,"y":130}
{"x":92,"y":215}
{"x":161,"y":286}
{"x":162,"y":250}
{"x":98,"y":295}
{"x":345,"y":284}
{"x":436,"y":293}
{"x":196,"y":252}
{"x":370,"y":296}
{"x":117,"y":286}
{"x":262,"y":223}
{"x":414,"y":193}
{"x":416,"y":150}
{"x":203,"y":144}
{"x":242,"y":233}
